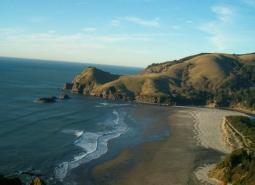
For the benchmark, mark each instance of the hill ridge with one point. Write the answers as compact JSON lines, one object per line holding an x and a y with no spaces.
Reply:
{"x":205,"y":78}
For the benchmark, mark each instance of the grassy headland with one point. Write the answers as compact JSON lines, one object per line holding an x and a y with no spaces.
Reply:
{"x":221,"y":80}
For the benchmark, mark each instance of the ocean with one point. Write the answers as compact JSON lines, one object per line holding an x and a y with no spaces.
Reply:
{"x":54,"y":139}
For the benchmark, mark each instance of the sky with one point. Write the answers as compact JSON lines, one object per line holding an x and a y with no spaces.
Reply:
{"x":125,"y":32}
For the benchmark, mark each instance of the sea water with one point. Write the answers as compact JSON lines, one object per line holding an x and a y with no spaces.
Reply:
{"x":54,"y":139}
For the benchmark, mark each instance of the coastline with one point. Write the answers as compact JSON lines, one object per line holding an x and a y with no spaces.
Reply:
{"x":156,"y":162}
{"x":211,"y":132}
{"x":185,"y":157}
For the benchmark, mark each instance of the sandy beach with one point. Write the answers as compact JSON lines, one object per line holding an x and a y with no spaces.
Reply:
{"x":195,"y":144}
{"x":210,"y":133}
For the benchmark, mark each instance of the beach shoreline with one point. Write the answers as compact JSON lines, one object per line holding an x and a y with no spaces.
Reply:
{"x":196,"y":143}
{"x":211,"y":132}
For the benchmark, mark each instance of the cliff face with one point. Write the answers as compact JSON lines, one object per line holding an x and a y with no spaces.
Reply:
{"x":87,"y":81}
{"x":191,"y":80}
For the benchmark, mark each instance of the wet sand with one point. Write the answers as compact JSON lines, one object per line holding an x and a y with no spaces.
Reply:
{"x":169,"y":161}
{"x":195,"y":143}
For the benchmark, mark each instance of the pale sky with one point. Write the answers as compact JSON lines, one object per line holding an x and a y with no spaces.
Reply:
{"x":125,"y":32}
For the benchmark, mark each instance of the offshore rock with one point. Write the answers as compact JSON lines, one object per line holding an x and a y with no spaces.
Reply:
{"x":51,"y":99}
{"x":64,"y":97}
{"x":10,"y":180}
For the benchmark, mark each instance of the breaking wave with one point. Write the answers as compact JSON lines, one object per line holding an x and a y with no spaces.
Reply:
{"x":93,"y":145}
{"x":105,"y":104}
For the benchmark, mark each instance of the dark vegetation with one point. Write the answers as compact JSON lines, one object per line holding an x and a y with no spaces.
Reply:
{"x":238,"y":168}
{"x":10,"y":180}
{"x":238,"y":89}
{"x":246,"y":126}
{"x":16,"y":180}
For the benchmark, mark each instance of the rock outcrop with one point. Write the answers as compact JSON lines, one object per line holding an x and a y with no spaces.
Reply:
{"x":64,"y":97}
{"x":17,"y":181}
{"x":10,"y":180}
{"x":68,"y":86}
{"x":37,"y":181}
{"x":51,"y":99}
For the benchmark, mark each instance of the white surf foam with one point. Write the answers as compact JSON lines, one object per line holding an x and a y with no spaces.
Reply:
{"x":88,"y":141}
{"x":77,"y":133}
{"x":94,"y":145}
{"x":104,"y":104}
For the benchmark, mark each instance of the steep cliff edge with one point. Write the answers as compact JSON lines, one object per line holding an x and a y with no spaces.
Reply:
{"x":199,"y":79}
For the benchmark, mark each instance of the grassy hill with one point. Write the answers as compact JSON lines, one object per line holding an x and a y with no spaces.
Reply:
{"x":205,"y":78}
{"x":90,"y":79}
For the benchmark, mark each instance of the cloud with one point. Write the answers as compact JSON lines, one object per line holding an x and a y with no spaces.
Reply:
{"x":223,"y":12}
{"x":89,"y":29}
{"x":176,"y":27}
{"x":250,"y":2}
{"x":136,"y":20}
{"x":52,"y":39}
{"x":51,"y":31}
{"x":9,"y":31}
{"x":80,"y":46}
{"x":143,"y":22}
{"x":115,"y":23}
{"x":218,"y":29}
{"x":189,"y":21}
{"x":226,"y":32}
{"x":39,"y":19}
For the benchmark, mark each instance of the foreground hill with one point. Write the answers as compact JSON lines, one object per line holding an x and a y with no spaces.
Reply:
{"x":206,"y":78}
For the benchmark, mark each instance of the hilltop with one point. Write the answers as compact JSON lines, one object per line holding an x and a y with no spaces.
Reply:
{"x":90,"y":79}
{"x":217,"y":79}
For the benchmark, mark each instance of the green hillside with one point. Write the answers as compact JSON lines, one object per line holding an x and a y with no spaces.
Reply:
{"x":207,"y":78}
